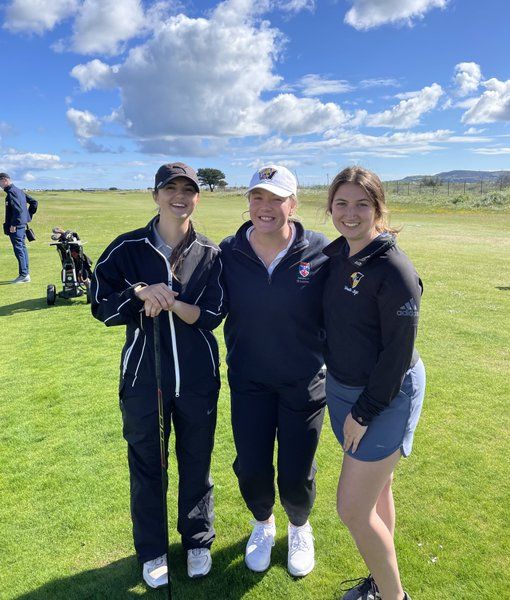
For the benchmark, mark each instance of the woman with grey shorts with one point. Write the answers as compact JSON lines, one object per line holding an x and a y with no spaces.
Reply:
{"x":376,"y":380}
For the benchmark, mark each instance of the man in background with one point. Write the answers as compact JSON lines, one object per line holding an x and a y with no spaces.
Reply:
{"x":17,"y":215}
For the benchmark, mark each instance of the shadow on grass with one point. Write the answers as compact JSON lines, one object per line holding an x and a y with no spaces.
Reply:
{"x":23,"y":306}
{"x":229,"y":579}
{"x":502,"y":288}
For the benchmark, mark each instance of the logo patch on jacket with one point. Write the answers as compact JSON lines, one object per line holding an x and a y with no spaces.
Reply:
{"x":409,"y":309}
{"x":355,"y":279}
{"x":303,"y":272}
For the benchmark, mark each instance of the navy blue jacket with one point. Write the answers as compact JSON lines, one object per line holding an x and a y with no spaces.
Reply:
{"x":371,"y":308}
{"x":274,"y":329}
{"x":16,"y":209}
{"x":189,"y":352}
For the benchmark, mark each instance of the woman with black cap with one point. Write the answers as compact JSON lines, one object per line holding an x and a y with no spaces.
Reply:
{"x":166,"y":267}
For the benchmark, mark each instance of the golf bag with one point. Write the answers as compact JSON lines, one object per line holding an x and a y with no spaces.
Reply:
{"x":76,"y":266}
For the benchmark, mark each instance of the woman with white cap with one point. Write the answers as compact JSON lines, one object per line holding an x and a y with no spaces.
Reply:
{"x":274,"y":272}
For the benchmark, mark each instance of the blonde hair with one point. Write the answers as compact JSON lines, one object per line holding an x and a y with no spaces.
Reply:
{"x":370,"y":183}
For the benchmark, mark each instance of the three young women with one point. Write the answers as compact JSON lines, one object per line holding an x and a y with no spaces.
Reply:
{"x":376,"y":380}
{"x":274,"y":272}
{"x":168,"y":269}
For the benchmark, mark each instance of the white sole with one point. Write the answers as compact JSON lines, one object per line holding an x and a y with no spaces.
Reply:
{"x":300,"y":573}
{"x":257,"y":570}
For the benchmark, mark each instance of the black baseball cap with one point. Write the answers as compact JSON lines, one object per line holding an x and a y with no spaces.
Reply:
{"x":172,"y":170}
{"x":4,"y":176}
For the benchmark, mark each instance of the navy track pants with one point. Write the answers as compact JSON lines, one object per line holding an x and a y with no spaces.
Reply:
{"x":194,"y":421}
{"x":292,"y":414}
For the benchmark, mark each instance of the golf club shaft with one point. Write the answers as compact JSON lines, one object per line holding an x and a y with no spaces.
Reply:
{"x":162,"y":444}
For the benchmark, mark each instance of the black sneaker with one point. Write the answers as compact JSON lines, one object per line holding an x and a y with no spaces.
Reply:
{"x":364,"y":588}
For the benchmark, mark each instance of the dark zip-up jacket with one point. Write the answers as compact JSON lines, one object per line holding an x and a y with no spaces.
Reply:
{"x":16,"y":209}
{"x":371,"y":308}
{"x":189,"y":352}
{"x":274,"y":329}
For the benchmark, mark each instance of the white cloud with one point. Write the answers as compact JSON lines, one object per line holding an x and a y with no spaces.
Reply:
{"x":94,"y":74}
{"x":37,"y":16}
{"x":407,"y":113}
{"x":29,"y":176}
{"x":294,"y":6}
{"x":473,"y":131}
{"x":183,"y":146}
{"x":491,"y":151}
{"x":16,"y":162}
{"x":467,"y":77}
{"x":317,"y":85}
{"x":407,"y":95}
{"x":399,"y":144}
{"x":102,"y":26}
{"x":383,"y":82}
{"x":84,"y":123}
{"x":202,"y":87}
{"x":366,"y":14}
{"x":298,"y":116}
{"x":464,"y":104}
{"x":493,"y":105}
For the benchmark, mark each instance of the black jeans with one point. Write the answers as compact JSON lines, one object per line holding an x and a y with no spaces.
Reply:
{"x":291,"y":413}
{"x":194,"y":420}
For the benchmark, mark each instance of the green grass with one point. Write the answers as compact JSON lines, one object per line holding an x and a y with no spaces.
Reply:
{"x":64,"y":527}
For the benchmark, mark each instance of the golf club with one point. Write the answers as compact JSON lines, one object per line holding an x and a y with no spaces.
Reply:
{"x":162,"y":445}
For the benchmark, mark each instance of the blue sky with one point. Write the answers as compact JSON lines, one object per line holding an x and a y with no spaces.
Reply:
{"x":99,"y":93}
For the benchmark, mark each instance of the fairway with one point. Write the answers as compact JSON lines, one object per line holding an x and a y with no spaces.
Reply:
{"x":65,"y":530}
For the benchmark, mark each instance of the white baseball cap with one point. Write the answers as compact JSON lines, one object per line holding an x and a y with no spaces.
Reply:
{"x":275,"y":179}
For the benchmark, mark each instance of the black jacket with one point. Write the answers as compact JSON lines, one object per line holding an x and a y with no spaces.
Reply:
{"x":371,"y":307}
{"x":274,"y":329}
{"x":16,"y":209}
{"x":189,"y":352}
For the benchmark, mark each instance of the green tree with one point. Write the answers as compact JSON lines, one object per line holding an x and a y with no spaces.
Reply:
{"x":211,"y":177}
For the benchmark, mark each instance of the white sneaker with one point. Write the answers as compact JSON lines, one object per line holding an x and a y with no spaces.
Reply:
{"x":199,"y":562}
{"x":155,"y":572}
{"x":258,"y":548}
{"x":301,"y":557}
{"x":21,"y":279}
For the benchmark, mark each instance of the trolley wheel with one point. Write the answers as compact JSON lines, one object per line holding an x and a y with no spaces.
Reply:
{"x":51,"y":295}
{"x":89,"y":298}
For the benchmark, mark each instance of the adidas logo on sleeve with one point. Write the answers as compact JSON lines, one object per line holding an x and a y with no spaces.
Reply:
{"x":409,"y":309}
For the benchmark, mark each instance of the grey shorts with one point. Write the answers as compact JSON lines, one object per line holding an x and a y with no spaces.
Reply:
{"x":393,"y":428}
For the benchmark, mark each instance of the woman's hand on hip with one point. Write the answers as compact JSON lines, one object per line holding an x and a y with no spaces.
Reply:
{"x":353,"y":432}
{"x":156,"y":298}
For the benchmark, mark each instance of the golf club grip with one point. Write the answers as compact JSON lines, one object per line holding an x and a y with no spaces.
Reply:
{"x":162,"y":445}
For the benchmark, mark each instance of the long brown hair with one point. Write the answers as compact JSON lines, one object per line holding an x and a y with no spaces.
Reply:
{"x":370,"y":183}
{"x":177,"y":256}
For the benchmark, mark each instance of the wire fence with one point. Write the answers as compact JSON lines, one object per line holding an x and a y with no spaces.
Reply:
{"x":446,"y":188}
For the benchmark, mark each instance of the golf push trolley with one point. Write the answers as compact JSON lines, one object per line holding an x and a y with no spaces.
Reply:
{"x":76,"y":267}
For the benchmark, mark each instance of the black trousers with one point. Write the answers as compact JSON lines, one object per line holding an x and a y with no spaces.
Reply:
{"x":194,"y":421}
{"x":291,"y":413}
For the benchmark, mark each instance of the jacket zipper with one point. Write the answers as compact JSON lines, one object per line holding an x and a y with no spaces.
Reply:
{"x":128,"y":352}
{"x":139,"y":361}
{"x":177,"y":370}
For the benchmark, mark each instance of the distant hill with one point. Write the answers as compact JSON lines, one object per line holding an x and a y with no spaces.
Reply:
{"x":460,"y":176}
